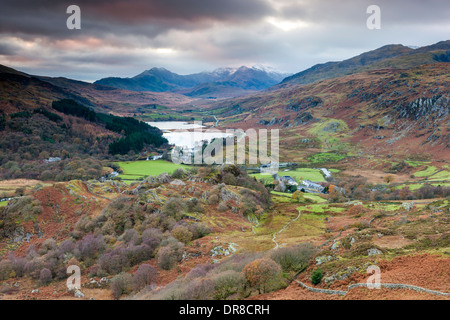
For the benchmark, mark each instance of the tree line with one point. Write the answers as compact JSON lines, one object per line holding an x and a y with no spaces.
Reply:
{"x":136,"y":133}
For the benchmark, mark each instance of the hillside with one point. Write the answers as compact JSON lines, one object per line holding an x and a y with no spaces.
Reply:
{"x":363,"y":184}
{"x":387,"y":112}
{"x":19,"y":91}
{"x":389,"y":56}
{"x":197,"y":234}
{"x":40,"y":120}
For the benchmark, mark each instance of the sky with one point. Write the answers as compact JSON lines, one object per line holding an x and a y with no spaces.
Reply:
{"x":124,"y":37}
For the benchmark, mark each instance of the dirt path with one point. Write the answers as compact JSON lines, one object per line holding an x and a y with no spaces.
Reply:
{"x":274,"y":236}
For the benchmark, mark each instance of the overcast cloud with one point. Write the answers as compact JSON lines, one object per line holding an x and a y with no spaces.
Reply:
{"x":124,"y":38}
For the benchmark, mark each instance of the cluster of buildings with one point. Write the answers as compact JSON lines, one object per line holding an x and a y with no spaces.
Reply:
{"x":289,"y":183}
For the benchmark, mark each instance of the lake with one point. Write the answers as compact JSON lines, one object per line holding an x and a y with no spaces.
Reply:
{"x":175,"y":125}
{"x":176,"y":132}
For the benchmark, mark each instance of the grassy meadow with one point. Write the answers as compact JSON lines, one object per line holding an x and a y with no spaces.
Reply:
{"x":139,"y":170}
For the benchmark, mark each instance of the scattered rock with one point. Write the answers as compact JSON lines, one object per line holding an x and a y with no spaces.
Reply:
{"x":78,"y":294}
{"x":342,"y":275}
{"x":336,"y":245}
{"x":408,"y":205}
{"x":323,"y":259}
{"x":374,"y":252}
{"x":221,"y":251}
{"x":178,"y":182}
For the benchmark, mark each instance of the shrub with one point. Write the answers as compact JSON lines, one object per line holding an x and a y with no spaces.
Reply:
{"x":263,"y":274}
{"x":293,"y":259}
{"x":175,"y":208}
{"x":150,"y":246}
{"x":237,"y":262}
{"x":121,"y":285}
{"x":19,"y":192}
{"x":19,"y":209}
{"x":48,"y":245}
{"x":204,"y":172}
{"x":213,"y":199}
{"x":200,"y":271}
{"x":229,"y":179}
{"x":151,"y":234}
{"x":6,"y":270}
{"x":194,"y":205}
{"x":45,"y":276}
{"x":222,"y":207}
{"x":316,"y":276}
{"x":179,"y":173}
{"x":357,"y":210}
{"x":121,"y":258}
{"x":144,"y":276}
{"x":67,"y":246}
{"x":114,"y":261}
{"x":199,"y":289}
{"x":182,"y":234}
{"x":137,"y":254}
{"x":199,"y":230}
{"x":131,"y":236}
{"x":228,"y":283}
{"x":118,"y":216}
{"x":18,"y":264}
{"x":90,"y":246}
{"x":197,"y":193}
{"x":33,"y":268}
{"x":31,"y":252}
{"x":170,"y":253}
{"x":166,"y":259}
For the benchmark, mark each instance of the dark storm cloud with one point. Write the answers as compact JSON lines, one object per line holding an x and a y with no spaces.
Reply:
{"x":7,"y":49}
{"x":123,"y":38}
{"x":147,"y":17}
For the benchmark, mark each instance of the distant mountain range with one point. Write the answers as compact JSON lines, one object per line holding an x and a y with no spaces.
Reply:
{"x":233,"y":82}
{"x":220,"y":83}
{"x":389,"y":56}
{"x":159,"y":86}
{"x":389,"y":98}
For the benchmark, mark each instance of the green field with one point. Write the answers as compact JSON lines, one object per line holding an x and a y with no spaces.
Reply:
{"x":3,"y":204}
{"x":427,"y":172}
{"x":443,"y":175}
{"x":325,"y":157}
{"x":299,"y":175}
{"x":416,"y":163}
{"x":138,"y":170}
{"x":415,"y":186}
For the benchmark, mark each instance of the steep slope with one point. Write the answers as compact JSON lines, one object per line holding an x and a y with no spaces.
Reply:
{"x":22,"y":91}
{"x":19,"y":91}
{"x":382,"y":112}
{"x":389,"y":56}
{"x":118,"y":100}
{"x":45,"y":117}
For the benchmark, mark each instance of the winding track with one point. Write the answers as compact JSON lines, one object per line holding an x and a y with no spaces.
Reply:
{"x":284,"y":228}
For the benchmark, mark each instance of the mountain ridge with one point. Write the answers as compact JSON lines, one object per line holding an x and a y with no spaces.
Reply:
{"x":392,"y":56}
{"x":210,"y":83}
